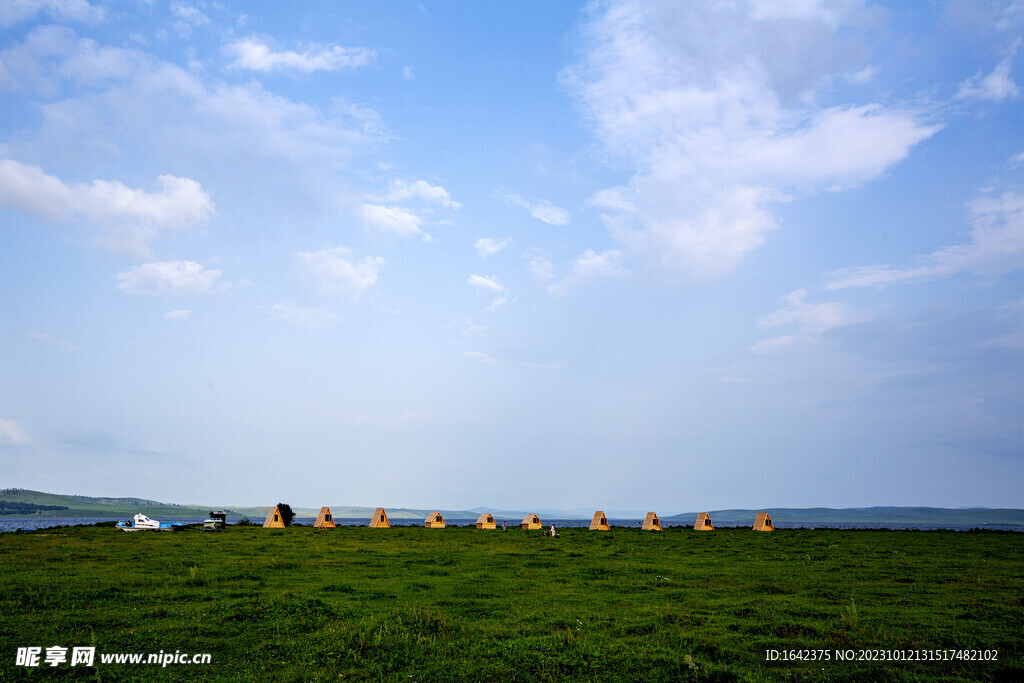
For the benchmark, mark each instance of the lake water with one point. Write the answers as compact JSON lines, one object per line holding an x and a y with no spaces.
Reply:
{"x":12,"y":523}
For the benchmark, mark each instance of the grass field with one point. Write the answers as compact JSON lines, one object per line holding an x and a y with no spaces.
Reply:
{"x":461,"y":604}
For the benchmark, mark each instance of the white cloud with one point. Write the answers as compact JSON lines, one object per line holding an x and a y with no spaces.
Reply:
{"x":1013,"y":314}
{"x":711,"y":105}
{"x":407,"y":73}
{"x":393,"y":219}
{"x":187,"y":17}
{"x":996,"y":86}
{"x":1013,"y":309}
{"x":253,"y":53}
{"x":13,"y":434}
{"x":167,"y":277}
{"x":587,"y":266}
{"x":863,"y":76}
{"x":706,"y":236}
{"x":497,"y":304}
{"x":303,"y":151}
{"x":481,"y":282}
{"x":543,"y":210}
{"x":819,"y":154}
{"x":49,"y":339}
{"x":549,"y":365}
{"x":540,"y":268}
{"x":826,"y":13}
{"x":15,"y":11}
{"x":51,"y":55}
{"x":996,"y":247}
{"x":401,"y":191}
{"x":776,"y":344}
{"x":180,"y":201}
{"x":485,"y":246}
{"x":336,"y":271}
{"x":479,"y":356}
{"x":133,"y":217}
{"x":591,"y":264}
{"x":180,"y":314}
{"x":548,"y":213}
{"x":303,"y":316}
{"x":399,"y":220}
{"x":810,"y":318}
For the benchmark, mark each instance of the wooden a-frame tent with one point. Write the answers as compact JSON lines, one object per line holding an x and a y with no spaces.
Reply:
{"x":434,"y":521}
{"x":651,"y":522}
{"x":274,"y":519}
{"x":380,"y":519}
{"x":325,"y":520}
{"x":599,"y":522}
{"x":703,"y":523}
{"x":763,"y":522}
{"x":486,"y":521}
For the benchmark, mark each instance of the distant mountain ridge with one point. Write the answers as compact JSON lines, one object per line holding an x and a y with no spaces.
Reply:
{"x":869,"y":515}
{"x":89,"y":506}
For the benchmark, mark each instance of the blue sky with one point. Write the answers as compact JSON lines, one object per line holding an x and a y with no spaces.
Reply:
{"x":618,"y":255}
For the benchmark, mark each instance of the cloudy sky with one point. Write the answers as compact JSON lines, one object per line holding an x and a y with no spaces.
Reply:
{"x":620,"y":255}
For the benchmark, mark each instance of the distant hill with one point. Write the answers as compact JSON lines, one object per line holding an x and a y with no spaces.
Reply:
{"x":36,"y":503}
{"x":57,"y":505}
{"x":872,"y":515}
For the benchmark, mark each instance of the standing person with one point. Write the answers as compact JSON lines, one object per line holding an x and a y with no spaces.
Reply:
{"x":503,"y":527}
{"x":553,"y":531}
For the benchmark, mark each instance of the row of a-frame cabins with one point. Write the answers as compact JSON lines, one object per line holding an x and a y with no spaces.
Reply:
{"x":486,"y":521}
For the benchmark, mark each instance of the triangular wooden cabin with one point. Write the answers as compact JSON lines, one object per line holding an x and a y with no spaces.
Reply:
{"x":379,"y":519}
{"x":325,"y":520}
{"x":651,"y":522}
{"x":703,"y":523}
{"x":599,"y":522}
{"x":763,"y":522}
{"x":531,"y":522}
{"x":434,"y":521}
{"x":486,"y":521}
{"x":274,"y":520}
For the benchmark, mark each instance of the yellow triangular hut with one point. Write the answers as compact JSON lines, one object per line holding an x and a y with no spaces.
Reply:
{"x":274,"y":520}
{"x":599,"y":522}
{"x":703,"y":523}
{"x":325,"y":520}
{"x":763,"y":522}
{"x":486,"y":521}
{"x":651,"y":522}
{"x":434,"y":521}
{"x":531,"y":522}
{"x":380,"y":519}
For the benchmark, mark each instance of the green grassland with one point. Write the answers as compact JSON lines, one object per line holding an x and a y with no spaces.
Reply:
{"x":410,"y":603}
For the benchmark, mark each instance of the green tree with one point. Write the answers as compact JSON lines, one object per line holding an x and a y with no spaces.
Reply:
{"x":286,"y":513}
